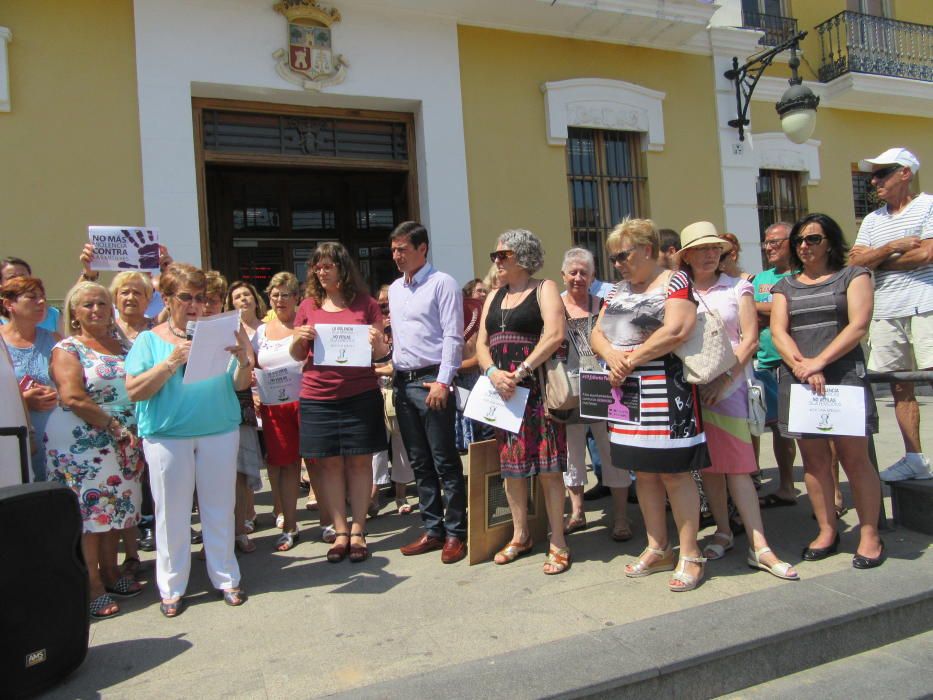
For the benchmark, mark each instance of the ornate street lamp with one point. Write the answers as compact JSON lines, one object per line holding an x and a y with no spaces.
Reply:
{"x":797,"y":106}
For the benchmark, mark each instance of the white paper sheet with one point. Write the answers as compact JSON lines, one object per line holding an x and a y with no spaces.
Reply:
{"x":486,"y":406}
{"x":840,"y":411}
{"x":124,"y":247}
{"x":279,"y":385}
{"x":208,"y":358}
{"x":342,"y":345}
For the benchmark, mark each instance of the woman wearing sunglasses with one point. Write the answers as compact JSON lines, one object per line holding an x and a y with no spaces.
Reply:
{"x":648,"y":314}
{"x":818,"y":318}
{"x":341,"y":407}
{"x":190,"y":437}
{"x":522,"y":326}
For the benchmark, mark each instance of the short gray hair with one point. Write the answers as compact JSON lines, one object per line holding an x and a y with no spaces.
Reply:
{"x":579,"y":255}
{"x":529,"y":253}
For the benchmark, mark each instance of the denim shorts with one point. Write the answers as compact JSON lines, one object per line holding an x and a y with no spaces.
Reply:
{"x":768,"y":377}
{"x":343,"y":427}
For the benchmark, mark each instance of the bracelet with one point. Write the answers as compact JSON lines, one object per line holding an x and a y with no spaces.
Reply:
{"x":524,"y":370}
{"x":90,"y":278}
{"x":490,"y":370}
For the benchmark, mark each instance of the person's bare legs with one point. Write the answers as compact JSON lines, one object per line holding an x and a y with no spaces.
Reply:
{"x":552,"y":485}
{"x":516,"y":492}
{"x":577,"y":509}
{"x":745,"y":498}
{"x":866,"y":491}
{"x":619,"y":504}
{"x":332,"y":485}
{"x":275,"y":485}
{"x":818,"y":477}
{"x":90,"y":546}
{"x":837,"y":492}
{"x":685,"y":507}
{"x":288,"y":490}
{"x":785,"y":452}
{"x":317,"y":488}
{"x":130,"y":543}
{"x":651,"y":501}
{"x":250,"y":505}
{"x":359,"y":474}
{"x":714,"y":485}
{"x":907,"y":412}
{"x":107,"y":545}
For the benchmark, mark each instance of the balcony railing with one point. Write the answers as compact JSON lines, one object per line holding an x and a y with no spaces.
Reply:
{"x":852,"y":42}
{"x":777,"y":29}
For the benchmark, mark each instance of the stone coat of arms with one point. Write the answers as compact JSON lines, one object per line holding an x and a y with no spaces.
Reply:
{"x":310,"y":61}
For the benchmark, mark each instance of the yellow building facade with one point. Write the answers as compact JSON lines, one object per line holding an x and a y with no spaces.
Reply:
{"x":557,"y":118}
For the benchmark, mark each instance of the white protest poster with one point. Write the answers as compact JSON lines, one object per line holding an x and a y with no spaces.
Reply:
{"x":124,"y":248}
{"x":486,"y":406}
{"x":342,"y":345}
{"x":208,"y":356}
{"x":279,"y":385}
{"x":839,"y":411}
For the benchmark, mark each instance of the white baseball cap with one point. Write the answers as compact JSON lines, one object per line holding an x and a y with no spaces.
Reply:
{"x":892,"y":156}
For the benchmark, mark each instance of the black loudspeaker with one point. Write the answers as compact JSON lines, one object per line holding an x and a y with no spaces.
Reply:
{"x":44,"y":617}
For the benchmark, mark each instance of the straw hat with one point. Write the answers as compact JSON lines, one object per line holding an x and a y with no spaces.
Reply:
{"x":701,"y":233}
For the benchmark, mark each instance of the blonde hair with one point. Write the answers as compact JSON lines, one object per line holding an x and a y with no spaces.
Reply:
{"x":284,"y":279}
{"x":127,"y":276}
{"x":215,"y":283}
{"x":73,"y":297}
{"x":640,"y":232}
{"x":491,"y":280}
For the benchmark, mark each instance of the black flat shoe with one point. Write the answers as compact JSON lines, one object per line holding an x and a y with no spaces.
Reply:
{"x":817,"y":553}
{"x":860,"y":562}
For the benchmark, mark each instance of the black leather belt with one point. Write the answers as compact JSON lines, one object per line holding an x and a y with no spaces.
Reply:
{"x":403,"y":376}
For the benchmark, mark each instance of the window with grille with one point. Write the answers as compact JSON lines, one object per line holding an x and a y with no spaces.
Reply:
{"x":605,"y":176}
{"x":864,"y":195}
{"x":781,"y":197}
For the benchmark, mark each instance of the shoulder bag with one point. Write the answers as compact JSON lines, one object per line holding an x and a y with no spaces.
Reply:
{"x":555,"y":380}
{"x":707,"y":353}
{"x":757,"y":408}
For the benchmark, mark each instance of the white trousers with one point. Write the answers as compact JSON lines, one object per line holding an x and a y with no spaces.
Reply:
{"x":176,"y":466}
{"x":401,"y":467}
{"x":576,"y":456}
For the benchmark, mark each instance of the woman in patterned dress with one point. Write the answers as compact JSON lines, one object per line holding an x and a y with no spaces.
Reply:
{"x":522,"y":326}
{"x":725,"y":400}
{"x":90,"y":443}
{"x":646,"y":316}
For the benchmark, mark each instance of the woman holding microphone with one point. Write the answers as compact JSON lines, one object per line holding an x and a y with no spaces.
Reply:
{"x":190,"y":437}
{"x":341,"y":407}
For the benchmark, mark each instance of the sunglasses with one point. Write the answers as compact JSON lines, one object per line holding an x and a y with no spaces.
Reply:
{"x":500,"y":255}
{"x":621,"y":256}
{"x":186,"y":298}
{"x":885,"y":173}
{"x":812,"y":240}
{"x":323,"y":267}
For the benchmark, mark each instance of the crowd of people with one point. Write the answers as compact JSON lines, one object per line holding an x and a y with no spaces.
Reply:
{"x":113,"y":420}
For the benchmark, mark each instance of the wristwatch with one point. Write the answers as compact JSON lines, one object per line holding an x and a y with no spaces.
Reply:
{"x":524,"y":370}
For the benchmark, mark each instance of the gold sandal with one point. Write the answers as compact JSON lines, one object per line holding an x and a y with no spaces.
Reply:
{"x":690,"y":582}
{"x":558,"y":558}
{"x":640,"y":568}
{"x":512,"y":551}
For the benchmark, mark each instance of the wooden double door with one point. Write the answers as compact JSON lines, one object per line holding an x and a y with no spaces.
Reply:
{"x":265,"y":220}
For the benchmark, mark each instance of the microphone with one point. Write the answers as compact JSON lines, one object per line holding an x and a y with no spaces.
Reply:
{"x":189,"y":329}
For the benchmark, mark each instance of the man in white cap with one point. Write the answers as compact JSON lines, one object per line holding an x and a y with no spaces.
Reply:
{"x":896,"y":241}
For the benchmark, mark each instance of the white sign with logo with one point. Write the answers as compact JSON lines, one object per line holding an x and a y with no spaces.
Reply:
{"x":279,"y":385}
{"x":839,"y":411}
{"x":486,"y":406}
{"x":342,"y":345}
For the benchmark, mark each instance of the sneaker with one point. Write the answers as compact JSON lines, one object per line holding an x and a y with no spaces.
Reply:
{"x":904,"y":469}
{"x":329,"y":534}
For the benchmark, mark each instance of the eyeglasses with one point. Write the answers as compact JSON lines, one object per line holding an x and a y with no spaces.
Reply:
{"x":621,"y":256}
{"x":500,"y":255}
{"x":885,"y":173}
{"x":186,"y":298}
{"x":772,"y":243}
{"x":278,"y":296}
{"x":323,"y":267}
{"x":811,"y":240}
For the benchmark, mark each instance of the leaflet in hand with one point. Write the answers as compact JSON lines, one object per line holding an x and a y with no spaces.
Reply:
{"x":840,"y":411}
{"x":342,"y":345}
{"x":486,"y":406}
{"x":279,"y":385}
{"x":602,"y":401}
{"x":208,"y":356}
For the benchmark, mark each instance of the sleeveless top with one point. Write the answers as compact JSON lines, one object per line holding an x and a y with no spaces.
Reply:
{"x":524,"y":318}
{"x":818,"y":312}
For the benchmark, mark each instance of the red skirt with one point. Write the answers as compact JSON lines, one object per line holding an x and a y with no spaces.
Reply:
{"x":280,"y":433}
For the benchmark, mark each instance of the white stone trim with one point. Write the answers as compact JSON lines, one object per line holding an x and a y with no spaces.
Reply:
{"x":860,"y":93}
{"x":774,"y":151}
{"x":603,"y":104}
{"x":6,"y":36}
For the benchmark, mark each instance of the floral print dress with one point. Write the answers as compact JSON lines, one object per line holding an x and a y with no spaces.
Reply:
{"x":104,"y":474}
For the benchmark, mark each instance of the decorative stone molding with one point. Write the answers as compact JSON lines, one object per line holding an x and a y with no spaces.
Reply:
{"x":774,"y":151}
{"x":6,"y":36}
{"x":603,"y":104}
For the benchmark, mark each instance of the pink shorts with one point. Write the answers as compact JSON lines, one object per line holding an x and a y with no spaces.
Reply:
{"x":280,"y":433}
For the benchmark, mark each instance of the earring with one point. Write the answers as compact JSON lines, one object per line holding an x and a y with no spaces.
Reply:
{"x":74,"y":324}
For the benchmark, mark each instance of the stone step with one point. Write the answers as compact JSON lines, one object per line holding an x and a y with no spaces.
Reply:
{"x":703,"y":651}
{"x":899,"y":671}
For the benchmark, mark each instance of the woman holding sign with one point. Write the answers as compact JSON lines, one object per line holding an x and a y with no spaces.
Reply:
{"x":725,"y":399}
{"x":818,"y":318}
{"x":522,"y":326}
{"x":190,"y":437}
{"x":338,"y":332}
{"x":648,"y":314}
{"x":276,"y":371}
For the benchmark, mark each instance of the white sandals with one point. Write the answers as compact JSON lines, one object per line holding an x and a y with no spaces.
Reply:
{"x":780,"y":569}
{"x":714,"y":550}
{"x":689,"y":582}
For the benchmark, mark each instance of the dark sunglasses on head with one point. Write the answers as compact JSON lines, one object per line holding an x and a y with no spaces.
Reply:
{"x":621,"y":256}
{"x":500,"y":255}
{"x":884,"y":173}
{"x":186,"y":298}
{"x":811,"y":240}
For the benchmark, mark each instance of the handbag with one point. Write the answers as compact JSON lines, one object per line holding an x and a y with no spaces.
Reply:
{"x":757,"y":408}
{"x":707,"y":353}
{"x":555,"y":380}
